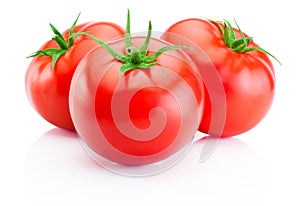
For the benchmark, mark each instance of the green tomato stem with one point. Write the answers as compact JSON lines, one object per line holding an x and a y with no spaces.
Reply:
{"x":238,"y":45}
{"x":134,"y":58}
{"x":62,"y":43}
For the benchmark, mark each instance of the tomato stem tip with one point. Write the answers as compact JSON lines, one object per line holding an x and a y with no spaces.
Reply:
{"x":239,"y":45}
{"x":63,"y":44}
{"x":134,"y":58}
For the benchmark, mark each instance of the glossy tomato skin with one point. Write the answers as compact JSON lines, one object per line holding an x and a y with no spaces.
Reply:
{"x":48,"y":89}
{"x":248,"y":78}
{"x":141,"y":118}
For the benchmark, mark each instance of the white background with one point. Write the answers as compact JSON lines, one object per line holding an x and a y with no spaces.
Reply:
{"x":43,"y":165}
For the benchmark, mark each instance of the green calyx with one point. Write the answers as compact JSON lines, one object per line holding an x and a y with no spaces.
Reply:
{"x":63,"y":44}
{"x":134,"y":58}
{"x":238,"y":45}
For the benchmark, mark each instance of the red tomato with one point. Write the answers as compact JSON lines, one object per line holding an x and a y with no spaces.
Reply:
{"x":47,"y":88}
{"x":145,"y":115}
{"x":247,"y":77}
